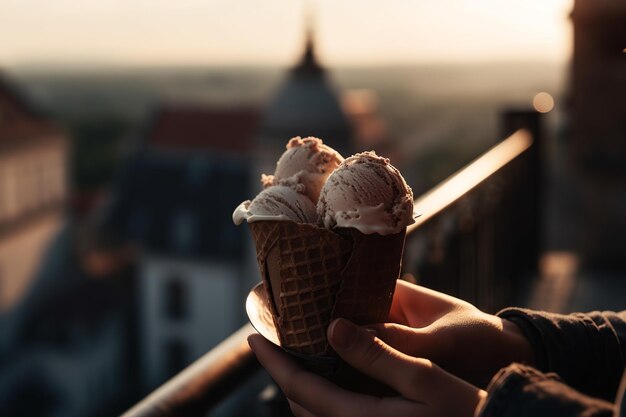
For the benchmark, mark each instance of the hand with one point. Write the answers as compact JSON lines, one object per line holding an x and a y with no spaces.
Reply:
{"x":452,"y":333}
{"x":424,"y":388}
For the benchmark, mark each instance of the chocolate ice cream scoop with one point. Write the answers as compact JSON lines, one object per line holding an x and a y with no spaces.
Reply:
{"x":278,"y":202}
{"x":305,"y":165}
{"x":366,"y":193}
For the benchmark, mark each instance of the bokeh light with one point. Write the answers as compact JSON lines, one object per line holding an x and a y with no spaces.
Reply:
{"x":543,"y":102}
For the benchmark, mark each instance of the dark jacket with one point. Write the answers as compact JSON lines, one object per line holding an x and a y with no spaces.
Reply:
{"x":580,"y":360}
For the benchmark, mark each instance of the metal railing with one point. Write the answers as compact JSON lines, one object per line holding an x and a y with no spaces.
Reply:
{"x":464,"y":181}
{"x":204,"y":383}
{"x":454,"y":247}
{"x":479,"y":236}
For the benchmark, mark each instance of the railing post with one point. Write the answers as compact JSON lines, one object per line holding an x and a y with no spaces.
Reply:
{"x":529,"y":214}
{"x":475,"y":238}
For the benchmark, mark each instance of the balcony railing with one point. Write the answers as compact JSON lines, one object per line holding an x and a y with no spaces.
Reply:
{"x":478,"y":238}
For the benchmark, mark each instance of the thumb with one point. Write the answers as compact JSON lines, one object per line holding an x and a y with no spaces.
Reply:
{"x":414,"y":342}
{"x":398,"y":336}
{"x":411,"y":377}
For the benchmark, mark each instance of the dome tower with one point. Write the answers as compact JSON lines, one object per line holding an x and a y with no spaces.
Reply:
{"x":306,"y":104}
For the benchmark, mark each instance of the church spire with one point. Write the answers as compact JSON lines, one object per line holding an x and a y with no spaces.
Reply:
{"x":308,"y":64}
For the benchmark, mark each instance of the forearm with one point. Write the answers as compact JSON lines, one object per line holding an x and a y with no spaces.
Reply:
{"x":585,"y":350}
{"x":523,"y":391}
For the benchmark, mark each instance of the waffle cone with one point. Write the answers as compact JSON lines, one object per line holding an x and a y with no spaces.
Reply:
{"x":369,"y":278}
{"x":313,"y":275}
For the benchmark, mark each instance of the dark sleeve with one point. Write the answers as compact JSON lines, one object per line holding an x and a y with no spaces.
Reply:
{"x":586,"y":350}
{"x":520,"y":390}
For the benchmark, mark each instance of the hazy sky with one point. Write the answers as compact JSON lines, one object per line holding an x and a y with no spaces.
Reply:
{"x":349,"y":32}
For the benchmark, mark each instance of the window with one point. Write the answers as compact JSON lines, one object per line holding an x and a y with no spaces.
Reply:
{"x":175,"y":298}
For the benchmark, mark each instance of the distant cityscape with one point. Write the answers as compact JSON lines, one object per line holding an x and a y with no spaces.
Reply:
{"x":143,"y":271}
{"x":119,"y":262}
{"x":441,"y":115}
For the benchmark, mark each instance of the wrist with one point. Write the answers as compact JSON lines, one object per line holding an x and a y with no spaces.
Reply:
{"x":521,"y":349}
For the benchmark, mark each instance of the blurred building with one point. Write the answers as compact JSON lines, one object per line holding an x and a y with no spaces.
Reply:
{"x":306,"y":104}
{"x":67,"y":346}
{"x":63,"y":337}
{"x":173,"y":199}
{"x":598,"y":127}
{"x":33,"y":161}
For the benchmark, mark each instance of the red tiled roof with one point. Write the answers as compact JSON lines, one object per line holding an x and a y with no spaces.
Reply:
{"x":196,"y":127}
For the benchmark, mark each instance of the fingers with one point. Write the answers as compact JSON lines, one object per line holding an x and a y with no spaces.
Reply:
{"x":308,"y":391}
{"x":413,"y":342}
{"x":398,"y":336}
{"x":412,"y":305}
{"x":416,"y":379}
{"x":426,"y":389}
{"x":410,"y":376}
{"x":298,"y":410}
{"x":418,"y":306}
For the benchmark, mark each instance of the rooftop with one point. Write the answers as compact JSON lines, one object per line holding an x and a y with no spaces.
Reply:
{"x":204,"y":128}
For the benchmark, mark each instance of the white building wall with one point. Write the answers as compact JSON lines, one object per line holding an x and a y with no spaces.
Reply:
{"x":212,"y":310}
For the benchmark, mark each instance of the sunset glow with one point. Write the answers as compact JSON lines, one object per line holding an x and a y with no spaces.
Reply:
{"x":349,"y":32}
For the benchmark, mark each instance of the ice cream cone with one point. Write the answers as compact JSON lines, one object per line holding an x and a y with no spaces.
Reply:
{"x":369,"y":278}
{"x":301,"y":268}
{"x":313,"y":275}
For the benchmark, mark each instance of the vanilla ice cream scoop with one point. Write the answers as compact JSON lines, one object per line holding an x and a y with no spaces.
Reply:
{"x":367,"y":193}
{"x":276,"y":203}
{"x":305,"y":166}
